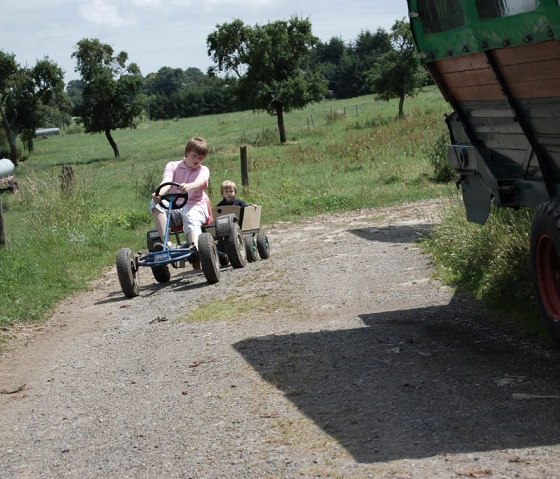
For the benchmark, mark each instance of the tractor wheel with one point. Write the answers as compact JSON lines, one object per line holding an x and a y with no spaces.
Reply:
{"x":208,"y":254}
{"x":127,"y":273}
{"x":235,"y":247}
{"x":161,"y":273}
{"x":545,"y":263}
{"x":250,"y":247}
{"x":263,"y":245}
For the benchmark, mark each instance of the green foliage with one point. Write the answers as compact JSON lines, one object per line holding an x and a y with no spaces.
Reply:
{"x":63,"y":242}
{"x":266,"y":61}
{"x":25,"y":95}
{"x":437,"y":155}
{"x":345,"y":67}
{"x":67,"y":242}
{"x":491,"y":261}
{"x":74,"y":91}
{"x":110,"y":96}
{"x":397,"y":74}
{"x":265,"y":137}
{"x":175,"y":93}
{"x":149,"y":182}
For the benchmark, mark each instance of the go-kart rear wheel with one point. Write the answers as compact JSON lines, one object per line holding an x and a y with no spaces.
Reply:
{"x":263,"y":245}
{"x":161,"y":273}
{"x":250,"y":247}
{"x":235,"y":247}
{"x":127,"y":273}
{"x":208,"y":254}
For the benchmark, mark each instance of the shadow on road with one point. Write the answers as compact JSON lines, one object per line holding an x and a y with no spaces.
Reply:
{"x":394,"y":234}
{"x":416,"y":383}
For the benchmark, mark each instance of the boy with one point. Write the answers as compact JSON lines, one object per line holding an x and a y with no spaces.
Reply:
{"x":193,"y":178}
{"x":229,"y":194}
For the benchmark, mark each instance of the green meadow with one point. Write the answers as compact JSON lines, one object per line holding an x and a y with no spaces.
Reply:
{"x":341,"y":155}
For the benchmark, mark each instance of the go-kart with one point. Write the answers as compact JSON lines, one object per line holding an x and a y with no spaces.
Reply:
{"x":159,"y":258}
{"x":241,"y":221}
{"x":233,"y":238}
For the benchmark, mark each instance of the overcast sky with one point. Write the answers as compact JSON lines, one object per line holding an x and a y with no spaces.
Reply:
{"x":157,"y":33}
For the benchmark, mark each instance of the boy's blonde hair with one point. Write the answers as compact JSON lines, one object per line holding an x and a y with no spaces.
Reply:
{"x":198,"y":145}
{"x":230,"y":184}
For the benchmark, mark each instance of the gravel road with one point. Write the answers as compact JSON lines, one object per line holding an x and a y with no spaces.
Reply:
{"x":338,"y":357}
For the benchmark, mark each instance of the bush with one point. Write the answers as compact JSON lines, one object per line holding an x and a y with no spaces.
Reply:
{"x":443,"y":173}
{"x":490,"y":261}
{"x":149,"y":182}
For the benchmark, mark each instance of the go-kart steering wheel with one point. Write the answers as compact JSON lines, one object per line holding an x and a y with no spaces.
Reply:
{"x":179,"y":199}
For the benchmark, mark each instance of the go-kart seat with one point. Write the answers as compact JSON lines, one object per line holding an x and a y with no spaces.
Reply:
{"x":177,"y":228}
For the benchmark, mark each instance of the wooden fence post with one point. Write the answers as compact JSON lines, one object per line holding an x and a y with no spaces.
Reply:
{"x":244,"y":169}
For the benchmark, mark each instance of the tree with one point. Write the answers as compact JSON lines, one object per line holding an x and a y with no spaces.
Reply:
{"x":23,"y":91}
{"x":176,"y":93}
{"x":111,"y":96}
{"x":267,"y":63}
{"x":397,"y":73}
{"x":75,"y":90}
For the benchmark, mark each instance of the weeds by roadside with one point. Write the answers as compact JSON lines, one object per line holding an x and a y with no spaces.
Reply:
{"x":67,"y":243}
{"x":490,"y":261}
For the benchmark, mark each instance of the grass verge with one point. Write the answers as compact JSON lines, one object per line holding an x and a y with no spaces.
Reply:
{"x":491,"y":262}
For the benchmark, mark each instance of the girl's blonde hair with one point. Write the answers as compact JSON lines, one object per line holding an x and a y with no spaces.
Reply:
{"x":228,"y":184}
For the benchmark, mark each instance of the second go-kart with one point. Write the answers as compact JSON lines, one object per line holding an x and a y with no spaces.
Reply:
{"x":245,"y":223}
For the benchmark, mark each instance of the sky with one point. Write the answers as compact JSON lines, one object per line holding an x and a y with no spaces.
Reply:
{"x":172,"y":33}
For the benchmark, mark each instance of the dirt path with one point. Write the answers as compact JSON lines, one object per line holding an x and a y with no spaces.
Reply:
{"x":338,"y":357}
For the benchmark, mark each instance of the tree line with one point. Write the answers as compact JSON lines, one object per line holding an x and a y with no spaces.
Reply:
{"x":275,"y":67}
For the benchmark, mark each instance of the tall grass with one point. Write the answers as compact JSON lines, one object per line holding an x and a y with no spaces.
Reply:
{"x":64,"y":241}
{"x":340,"y":156}
{"x":490,"y":261}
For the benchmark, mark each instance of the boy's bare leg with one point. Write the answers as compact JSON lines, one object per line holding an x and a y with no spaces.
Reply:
{"x":160,"y":221}
{"x":192,"y":237}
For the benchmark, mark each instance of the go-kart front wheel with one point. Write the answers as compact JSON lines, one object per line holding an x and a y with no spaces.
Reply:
{"x":127,"y":273}
{"x":161,"y":273}
{"x":208,"y":255}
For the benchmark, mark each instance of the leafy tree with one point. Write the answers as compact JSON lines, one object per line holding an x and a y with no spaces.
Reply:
{"x":370,"y":45}
{"x":397,"y":73}
{"x":75,"y":90}
{"x":266,"y":61}
{"x":23,"y":91}
{"x":176,"y":93}
{"x":111,"y":96}
{"x":347,"y":67}
{"x":349,"y":81}
{"x":58,"y":113}
{"x":166,"y":81}
{"x":326,"y":58}
{"x":331,"y":52}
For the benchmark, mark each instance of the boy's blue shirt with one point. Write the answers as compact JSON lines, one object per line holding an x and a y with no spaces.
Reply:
{"x":235,"y":202}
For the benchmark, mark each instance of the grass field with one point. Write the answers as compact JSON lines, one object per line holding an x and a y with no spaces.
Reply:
{"x":341,"y":155}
